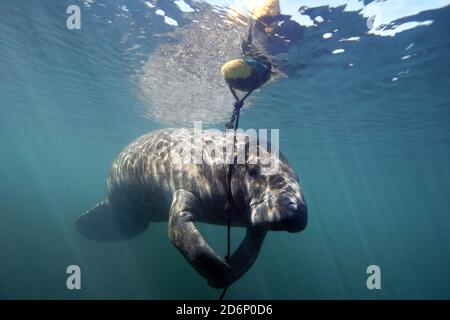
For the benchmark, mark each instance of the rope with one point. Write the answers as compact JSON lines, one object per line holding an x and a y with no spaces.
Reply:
{"x":248,"y":50}
{"x":232,"y":124}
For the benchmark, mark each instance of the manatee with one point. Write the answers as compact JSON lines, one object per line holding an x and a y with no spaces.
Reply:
{"x":151,"y":180}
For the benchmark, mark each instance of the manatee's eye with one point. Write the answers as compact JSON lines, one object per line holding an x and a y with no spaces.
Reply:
{"x":253,"y":172}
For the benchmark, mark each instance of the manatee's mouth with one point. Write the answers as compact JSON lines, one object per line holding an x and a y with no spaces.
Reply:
{"x":256,"y":203}
{"x":279,"y":214}
{"x":265,"y":199}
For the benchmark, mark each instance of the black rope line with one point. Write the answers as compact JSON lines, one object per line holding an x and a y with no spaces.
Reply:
{"x":232,"y":124}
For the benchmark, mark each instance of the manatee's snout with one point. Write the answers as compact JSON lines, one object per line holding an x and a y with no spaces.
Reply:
{"x":276,"y":202}
{"x":295,"y":214}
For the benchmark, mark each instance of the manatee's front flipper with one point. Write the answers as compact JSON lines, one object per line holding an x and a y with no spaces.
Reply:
{"x":102,"y":223}
{"x":247,"y":252}
{"x":185,"y":236}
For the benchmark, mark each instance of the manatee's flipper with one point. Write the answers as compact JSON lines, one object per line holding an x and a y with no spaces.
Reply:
{"x":247,"y":252}
{"x":185,"y":236}
{"x":102,"y":223}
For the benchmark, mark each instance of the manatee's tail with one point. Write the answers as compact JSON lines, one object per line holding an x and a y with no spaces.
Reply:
{"x":100,"y":223}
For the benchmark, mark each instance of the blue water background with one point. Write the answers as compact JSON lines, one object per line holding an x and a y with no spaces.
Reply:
{"x":372,"y":154}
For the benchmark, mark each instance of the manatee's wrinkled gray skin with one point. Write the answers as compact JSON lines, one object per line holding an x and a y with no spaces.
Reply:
{"x":150,"y":182}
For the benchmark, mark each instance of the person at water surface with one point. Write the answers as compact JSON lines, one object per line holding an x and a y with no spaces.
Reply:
{"x":201,"y":47}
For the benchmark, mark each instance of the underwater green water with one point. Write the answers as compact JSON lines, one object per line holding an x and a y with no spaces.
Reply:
{"x":372,"y":155}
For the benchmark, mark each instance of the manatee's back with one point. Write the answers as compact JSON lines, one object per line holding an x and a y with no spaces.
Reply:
{"x":153,"y":166}
{"x":138,"y":176}
{"x":141,"y":183}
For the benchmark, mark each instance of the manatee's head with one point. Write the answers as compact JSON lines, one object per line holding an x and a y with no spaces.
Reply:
{"x":273,"y":198}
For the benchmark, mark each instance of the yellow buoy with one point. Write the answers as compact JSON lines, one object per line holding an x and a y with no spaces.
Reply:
{"x":245,"y":74}
{"x":236,"y":68}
